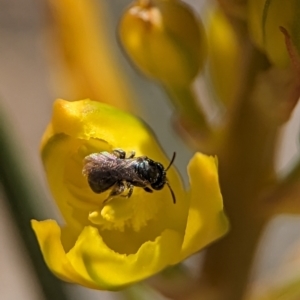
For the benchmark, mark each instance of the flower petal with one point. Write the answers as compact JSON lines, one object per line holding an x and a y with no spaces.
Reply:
{"x":206,"y":219}
{"x":86,"y":119}
{"x":48,"y":234}
{"x":93,"y":259}
{"x":56,"y":153}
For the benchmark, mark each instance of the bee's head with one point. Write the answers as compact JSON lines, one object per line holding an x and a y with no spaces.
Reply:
{"x":155,"y":173}
{"x":161,"y":178}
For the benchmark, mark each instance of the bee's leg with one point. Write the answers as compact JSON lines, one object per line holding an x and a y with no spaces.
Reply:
{"x":130,"y":187}
{"x":120,"y":153}
{"x":132,"y":154}
{"x":118,"y":189}
{"x":148,"y":190}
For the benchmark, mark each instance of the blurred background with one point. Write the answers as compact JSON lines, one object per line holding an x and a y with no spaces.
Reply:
{"x":27,"y":91}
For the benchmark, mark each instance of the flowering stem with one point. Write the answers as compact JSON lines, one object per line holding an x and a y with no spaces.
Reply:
{"x":246,"y":162}
{"x":228,"y":262}
{"x":190,"y":115}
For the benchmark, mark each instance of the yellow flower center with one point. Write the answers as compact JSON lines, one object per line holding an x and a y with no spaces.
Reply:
{"x":134,"y":212}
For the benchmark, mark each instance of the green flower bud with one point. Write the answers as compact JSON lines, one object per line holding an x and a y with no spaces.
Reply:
{"x":164,"y":39}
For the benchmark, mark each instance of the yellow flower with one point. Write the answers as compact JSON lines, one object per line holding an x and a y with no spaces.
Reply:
{"x":114,"y":244}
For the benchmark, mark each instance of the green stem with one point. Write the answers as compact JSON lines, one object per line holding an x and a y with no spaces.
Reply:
{"x":189,"y":112}
{"x":18,"y":187}
{"x":228,"y":262}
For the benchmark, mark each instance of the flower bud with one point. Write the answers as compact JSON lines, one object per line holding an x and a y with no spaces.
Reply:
{"x":265,"y":19}
{"x":164,"y":39}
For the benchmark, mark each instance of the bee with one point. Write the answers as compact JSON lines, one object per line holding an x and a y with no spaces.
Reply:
{"x":119,"y":173}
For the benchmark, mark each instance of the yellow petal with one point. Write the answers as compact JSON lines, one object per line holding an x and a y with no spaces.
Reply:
{"x":48,"y":234}
{"x":56,"y":154}
{"x":206,"y":219}
{"x":93,"y":259}
{"x":88,"y":119}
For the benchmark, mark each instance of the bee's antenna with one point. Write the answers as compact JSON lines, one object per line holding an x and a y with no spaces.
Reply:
{"x":172,"y":193}
{"x":171,"y":162}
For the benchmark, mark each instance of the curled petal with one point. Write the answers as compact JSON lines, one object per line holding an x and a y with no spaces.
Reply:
{"x":49,"y":234}
{"x":93,"y":264}
{"x":91,"y":257}
{"x":206,"y":220}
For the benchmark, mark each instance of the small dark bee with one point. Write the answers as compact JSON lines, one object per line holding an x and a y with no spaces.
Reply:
{"x":117,"y":172}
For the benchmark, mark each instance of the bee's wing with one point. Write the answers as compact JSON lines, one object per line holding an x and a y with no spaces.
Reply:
{"x":99,"y":158}
{"x":127,"y":169}
{"x":100,"y":171}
